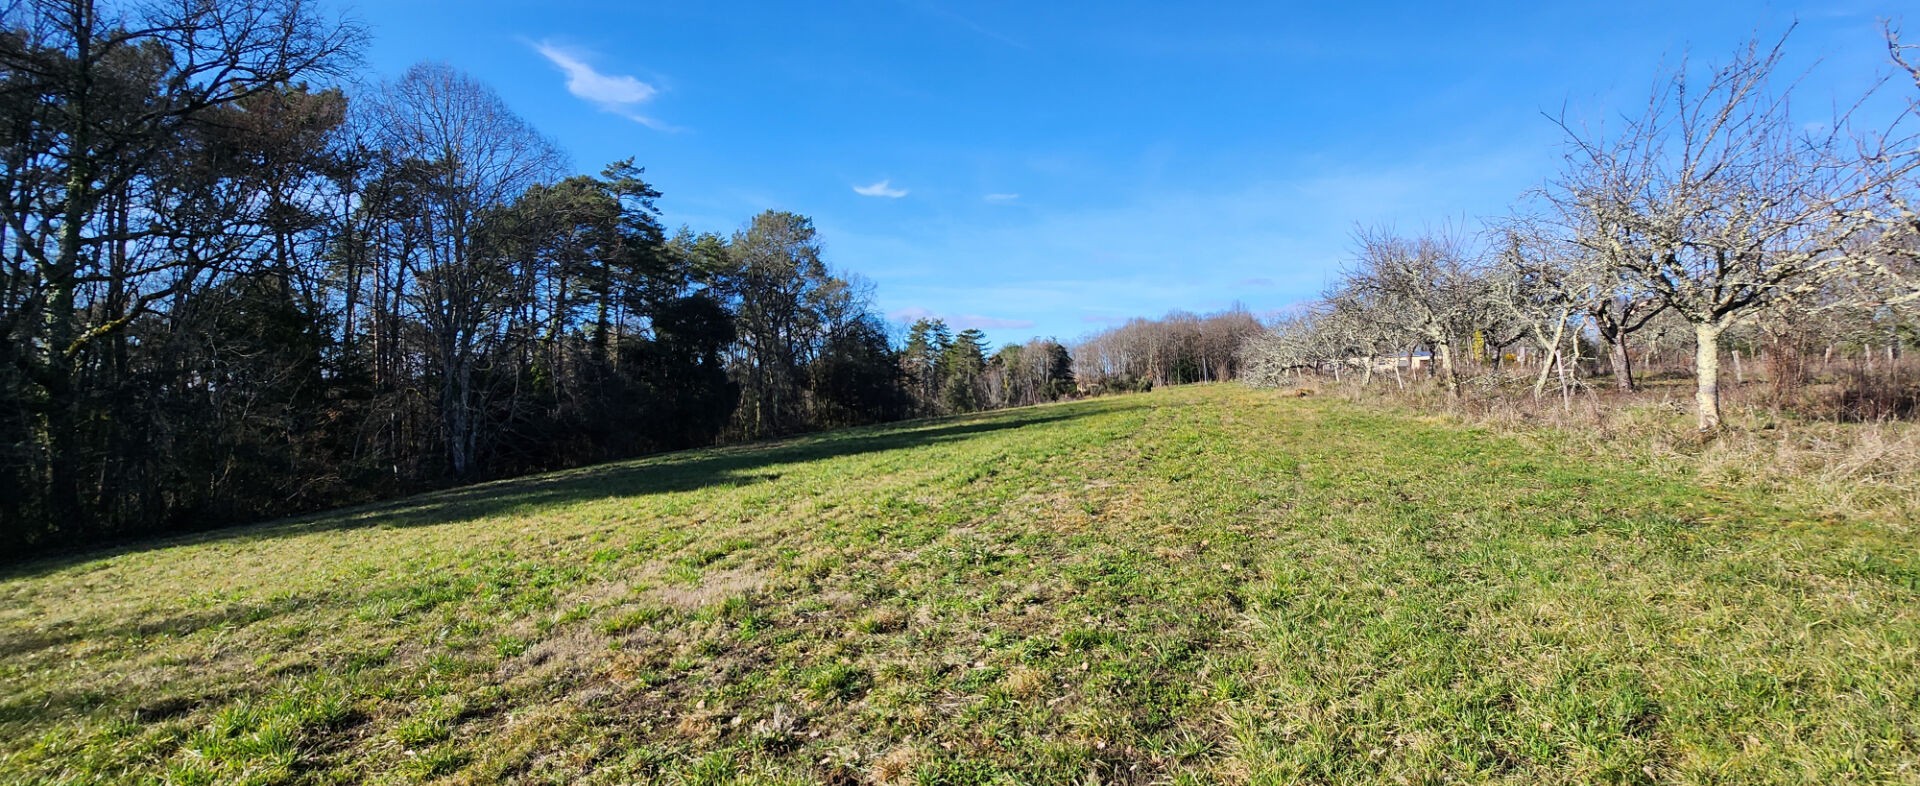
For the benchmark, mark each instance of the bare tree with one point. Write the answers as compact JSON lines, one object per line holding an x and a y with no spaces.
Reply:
{"x":1716,"y":200}
{"x":464,"y":155}
{"x":1368,"y":328}
{"x":1178,"y":348}
{"x":1540,"y":280}
{"x":1617,"y":304}
{"x":1894,"y":260}
{"x":1620,"y":307}
{"x":1290,"y":345}
{"x":1430,"y":285}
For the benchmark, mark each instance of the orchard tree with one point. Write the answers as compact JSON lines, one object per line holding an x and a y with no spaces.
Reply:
{"x":1718,"y":200}
{"x":1893,"y":262}
{"x":1540,"y":281}
{"x":1430,"y":286}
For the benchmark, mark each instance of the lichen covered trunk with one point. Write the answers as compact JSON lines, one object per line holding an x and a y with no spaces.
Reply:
{"x":1448,"y":373}
{"x":1706,"y":373}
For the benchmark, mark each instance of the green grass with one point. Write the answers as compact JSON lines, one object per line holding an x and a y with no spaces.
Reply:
{"x":1197,"y":585}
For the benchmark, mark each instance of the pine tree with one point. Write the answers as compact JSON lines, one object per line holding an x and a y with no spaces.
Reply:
{"x":1060,"y":381}
{"x":964,"y":364}
{"x":923,"y":361}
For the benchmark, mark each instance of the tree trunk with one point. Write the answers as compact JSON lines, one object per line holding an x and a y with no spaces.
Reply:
{"x":1706,"y":373}
{"x":457,"y":421}
{"x":1553,"y":347}
{"x":1621,"y":358}
{"x":1445,"y":350}
{"x":1566,"y":390}
{"x":56,"y":372}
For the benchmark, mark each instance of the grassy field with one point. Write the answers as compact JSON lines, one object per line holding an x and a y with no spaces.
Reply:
{"x":1197,"y":585}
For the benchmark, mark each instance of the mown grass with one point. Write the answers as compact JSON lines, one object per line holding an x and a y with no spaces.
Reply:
{"x":1197,"y":585}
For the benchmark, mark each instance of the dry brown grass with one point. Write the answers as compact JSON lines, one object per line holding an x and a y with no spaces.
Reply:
{"x":713,"y":588}
{"x":1867,"y":470}
{"x":895,"y":766}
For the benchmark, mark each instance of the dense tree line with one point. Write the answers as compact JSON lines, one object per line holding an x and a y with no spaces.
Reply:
{"x":228,"y":291}
{"x":1178,"y":348}
{"x":1718,"y":214}
{"x":947,"y":373}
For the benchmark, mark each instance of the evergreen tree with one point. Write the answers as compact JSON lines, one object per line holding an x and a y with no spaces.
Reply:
{"x":678,"y":375}
{"x":1060,"y":380}
{"x":780,"y":287}
{"x":927,"y":342}
{"x":964,"y":365}
{"x":858,"y":378}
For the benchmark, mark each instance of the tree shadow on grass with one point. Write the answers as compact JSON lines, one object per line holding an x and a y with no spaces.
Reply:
{"x":728,"y":467}
{"x":725,"y":467}
{"x":181,"y":623}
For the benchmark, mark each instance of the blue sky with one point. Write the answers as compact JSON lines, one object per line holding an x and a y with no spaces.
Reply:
{"x":1039,"y":169}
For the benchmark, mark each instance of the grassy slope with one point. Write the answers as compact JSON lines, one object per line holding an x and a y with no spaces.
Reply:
{"x":1195,"y":585}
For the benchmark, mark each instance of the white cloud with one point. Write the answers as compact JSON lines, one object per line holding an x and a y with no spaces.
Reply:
{"x":1265,"y":242}
{"x":883,"y":188}
{"x":620,"y":94}
{"x":1002,"y":197}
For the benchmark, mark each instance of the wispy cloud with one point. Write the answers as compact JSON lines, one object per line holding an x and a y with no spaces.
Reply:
{"x":620,"y":94}
{"x":936,"y":10}
{"x":1201,"y":249}
{"x":883,"y":188}
{"x":965,"y":321}
{"x":961,"y":321}
{"x":1001,"y":197}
